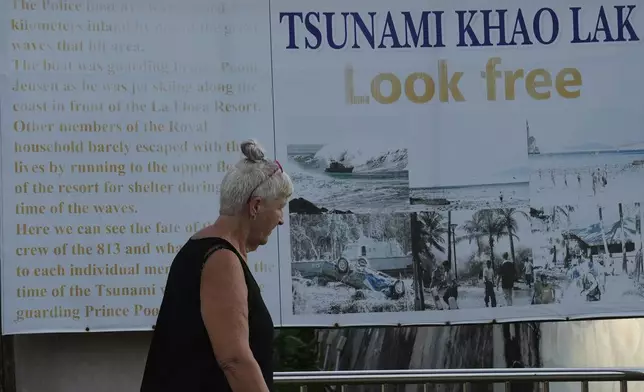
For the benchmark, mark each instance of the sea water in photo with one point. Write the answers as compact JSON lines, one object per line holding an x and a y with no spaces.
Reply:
{"x":580,"y":177}
{"x":343,"y":177}
{"x":463,"y":166}
{"x":471,"y":197}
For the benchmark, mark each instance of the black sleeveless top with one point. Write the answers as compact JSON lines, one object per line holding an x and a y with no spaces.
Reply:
{"x":181,"y":357}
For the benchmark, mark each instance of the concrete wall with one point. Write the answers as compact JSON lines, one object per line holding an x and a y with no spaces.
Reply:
{"x":101,"y":362}
{"x":114,"y":362}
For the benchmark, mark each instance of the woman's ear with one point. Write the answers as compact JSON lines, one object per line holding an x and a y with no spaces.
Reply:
{"x":254,"y":207}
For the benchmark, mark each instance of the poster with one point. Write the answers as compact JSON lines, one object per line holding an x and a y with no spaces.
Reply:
{"x":452,"y":164}
{"x":118,"y":124}
{"x":524,"y":160}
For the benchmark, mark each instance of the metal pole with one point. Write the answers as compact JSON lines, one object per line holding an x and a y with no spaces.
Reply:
{"x":623,"y":386}
{"x":460,"y":376}
{"x":584,"y":386}
{"x":320,"y":345}
{"x":339,"y":348}
{"x":545,"y":387}
{"x":326,"y":356}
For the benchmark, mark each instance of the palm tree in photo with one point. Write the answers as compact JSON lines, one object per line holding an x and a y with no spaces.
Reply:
{"x":507,"y":217}
{"x":432,"y":233}
{"x":472,"y":233}
{"x":428,"y":232}
{"x":417,"y":247}
{"x":566,"y":211}
{"x":488,"y":224}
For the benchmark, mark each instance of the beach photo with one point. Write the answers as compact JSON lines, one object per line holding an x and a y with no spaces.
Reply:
{"x":472,"y":259}
{"x":468,"y":197}
{"x":370,"y":176}
{"x":351,"y":263}
{"x":582,"y":155}
{"x":464,"y":166}
{"x":594,"y":176}
{"x":590,"y":253}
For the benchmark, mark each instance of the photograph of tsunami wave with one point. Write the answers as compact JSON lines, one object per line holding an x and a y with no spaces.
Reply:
{"x":336,"y":176}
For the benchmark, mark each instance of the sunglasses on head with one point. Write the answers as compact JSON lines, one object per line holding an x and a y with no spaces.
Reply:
{"x":277,"y":169}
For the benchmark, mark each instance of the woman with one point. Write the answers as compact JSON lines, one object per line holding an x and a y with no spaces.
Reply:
{"x":214,"y":332}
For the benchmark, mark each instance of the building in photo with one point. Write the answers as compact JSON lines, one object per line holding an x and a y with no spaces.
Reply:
{"x":351,"y":263}
{"x":592,"y":253}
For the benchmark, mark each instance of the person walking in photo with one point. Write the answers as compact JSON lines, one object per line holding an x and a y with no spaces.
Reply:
{"x":544,"y":291}
{"x":488,"y":281}
{"x":599,"y":272}
{"x":507,"y":277}
{"x":529,"y":271}
{"x":214,"y":331}
{"x":451,"y":292}
{"x":574,"y":271}
{"x":437,"y":279}
{"x":590,"y":287}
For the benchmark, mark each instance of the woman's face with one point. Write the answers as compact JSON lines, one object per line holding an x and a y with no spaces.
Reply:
{"x":269,"y":214}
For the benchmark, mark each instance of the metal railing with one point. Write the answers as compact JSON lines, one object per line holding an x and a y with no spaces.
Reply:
{"x":466,"y":377}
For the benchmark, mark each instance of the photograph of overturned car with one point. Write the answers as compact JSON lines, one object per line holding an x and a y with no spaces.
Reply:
{"x":351,"y":263}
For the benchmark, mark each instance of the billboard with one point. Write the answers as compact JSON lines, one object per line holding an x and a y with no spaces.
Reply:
{"x":459,"y":163}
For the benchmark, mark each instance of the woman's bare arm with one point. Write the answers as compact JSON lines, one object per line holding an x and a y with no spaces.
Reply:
{"x":224,"y":309}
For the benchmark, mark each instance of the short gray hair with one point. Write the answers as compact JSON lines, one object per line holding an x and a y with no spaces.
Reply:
{"x":253,"y":175}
